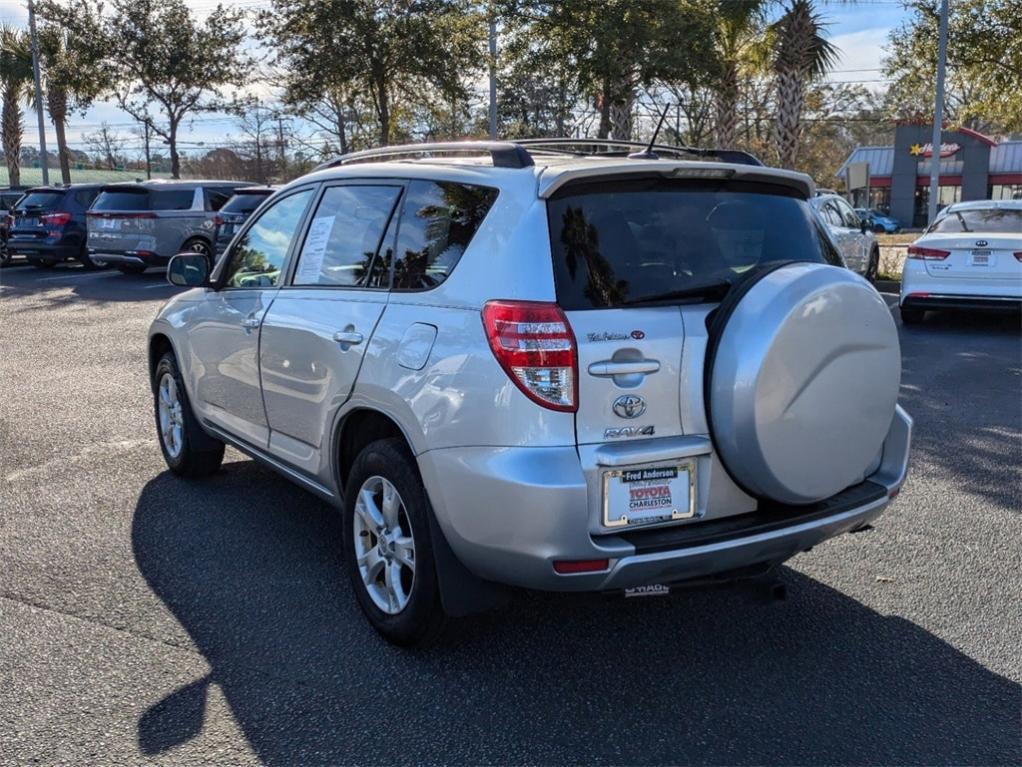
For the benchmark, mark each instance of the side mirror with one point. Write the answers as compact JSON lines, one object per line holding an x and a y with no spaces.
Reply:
{"x":863,"y":225}
{"x":189,"y":270}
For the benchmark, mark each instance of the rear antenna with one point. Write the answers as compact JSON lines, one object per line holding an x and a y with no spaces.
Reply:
{"x":648,"y":153}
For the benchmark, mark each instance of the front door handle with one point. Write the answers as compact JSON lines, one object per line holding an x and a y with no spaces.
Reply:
{"x":609,"y":368}
{"x":348,"y":337}
{"x":250,"y":323}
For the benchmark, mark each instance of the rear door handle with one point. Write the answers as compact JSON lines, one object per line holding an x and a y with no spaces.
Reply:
{"x":609,"y":368}
{"x":348,"y":337}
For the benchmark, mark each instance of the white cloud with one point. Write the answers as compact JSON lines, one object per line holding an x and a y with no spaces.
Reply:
{"x":860,"y":57}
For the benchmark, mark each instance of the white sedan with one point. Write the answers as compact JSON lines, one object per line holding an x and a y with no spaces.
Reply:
{"x":971,"y":257}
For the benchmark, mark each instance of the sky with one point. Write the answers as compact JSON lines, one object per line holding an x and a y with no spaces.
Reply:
{"x":858,"y":29}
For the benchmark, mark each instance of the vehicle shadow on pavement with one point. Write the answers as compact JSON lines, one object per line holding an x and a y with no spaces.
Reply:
{"x":50,"y":286}
{"x":974,"y":436}
{"x":252,"y":568}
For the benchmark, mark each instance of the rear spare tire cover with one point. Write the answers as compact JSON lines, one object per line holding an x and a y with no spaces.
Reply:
{"x":804,"y":373}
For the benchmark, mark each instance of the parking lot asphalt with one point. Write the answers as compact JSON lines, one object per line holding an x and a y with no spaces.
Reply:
{"x":145,"y":619}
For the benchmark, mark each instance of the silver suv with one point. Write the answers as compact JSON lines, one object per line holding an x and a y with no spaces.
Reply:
{"x":525,"y":367}
{"x":136,"y":226}
{"x":852,"y":235}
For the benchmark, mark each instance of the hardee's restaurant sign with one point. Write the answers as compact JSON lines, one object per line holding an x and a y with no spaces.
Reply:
{"x":926,"y":150}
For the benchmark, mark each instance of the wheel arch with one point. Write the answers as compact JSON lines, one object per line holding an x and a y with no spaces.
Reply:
{"x":159,"y":344}
{"x":358,"y":428}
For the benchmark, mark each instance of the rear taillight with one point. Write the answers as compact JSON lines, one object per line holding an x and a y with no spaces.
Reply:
{"x":1018,"y":255}
{"x":534,"y":344}
{"x":55,"y":219}
{"x":927,"y":254}
{"x":218,"y":220}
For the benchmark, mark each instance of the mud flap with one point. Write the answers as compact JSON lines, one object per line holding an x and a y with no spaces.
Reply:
{"x":461,"y":591}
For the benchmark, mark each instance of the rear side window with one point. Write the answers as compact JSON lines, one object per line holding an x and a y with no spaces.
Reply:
{"x":986,"y":220}
{"x":41,"y":200}
{"x":616,"y":243}
{"x":438,"y":221}
{"x":345,"y":234}
{"x":243,"y":203}
{"x":215,"y":199}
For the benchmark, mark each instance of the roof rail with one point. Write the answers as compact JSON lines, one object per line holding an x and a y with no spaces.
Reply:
{"x":505,"y":154}
{"x":615,"y":147}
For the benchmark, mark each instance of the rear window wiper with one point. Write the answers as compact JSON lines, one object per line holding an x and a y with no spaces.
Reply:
{"x":709,"y":290}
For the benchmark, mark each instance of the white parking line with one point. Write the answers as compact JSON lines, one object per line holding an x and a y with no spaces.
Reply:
{"x":160,"y":285}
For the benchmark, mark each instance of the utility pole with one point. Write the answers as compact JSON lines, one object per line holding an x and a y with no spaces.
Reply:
{"x":38,"y":92}
{"x":493,"y":74}
{"x":148,"y":160}
{"x":280,"y":147}
{"x":938,"y":115}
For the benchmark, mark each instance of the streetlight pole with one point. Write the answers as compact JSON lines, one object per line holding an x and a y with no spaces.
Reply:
{"x":938,"y":115}
{"x":38,"y":92}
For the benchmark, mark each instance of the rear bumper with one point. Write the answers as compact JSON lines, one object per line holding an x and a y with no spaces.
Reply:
{"x":509,"y":514}
{"x":132,"y":258}
{"x":952,"y":301}
{"x":41,"y":250}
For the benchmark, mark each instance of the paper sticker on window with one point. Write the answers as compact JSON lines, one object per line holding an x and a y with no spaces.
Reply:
{"x":311,"y":261}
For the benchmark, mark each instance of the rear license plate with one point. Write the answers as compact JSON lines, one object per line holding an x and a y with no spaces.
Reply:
{"x":648,"y":495}
{"x":981,"y":258}
{"x":109,"y":224}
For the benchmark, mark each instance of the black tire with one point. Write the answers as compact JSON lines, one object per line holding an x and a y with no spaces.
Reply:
{"x":199,"y":454}
{"x":42,"y":264}
{"x":130,"y":268}
{"x":422,"y":618}
{"x":879,"y":229}
{"x":5,"y":255}
{"x":912,"y":316}
{"x":873,"y":267}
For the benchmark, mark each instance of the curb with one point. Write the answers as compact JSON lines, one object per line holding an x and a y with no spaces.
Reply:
{"x":888,"y":286}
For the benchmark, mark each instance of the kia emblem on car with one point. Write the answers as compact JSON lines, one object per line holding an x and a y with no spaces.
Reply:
{"x":629,"y":406}
{"x":981,"y":243}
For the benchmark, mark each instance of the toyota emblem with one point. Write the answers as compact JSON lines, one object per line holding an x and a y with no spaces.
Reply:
{"x":629,"y":406}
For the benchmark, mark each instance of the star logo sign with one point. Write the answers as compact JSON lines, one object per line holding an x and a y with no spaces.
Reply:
{"x":915,"y":150}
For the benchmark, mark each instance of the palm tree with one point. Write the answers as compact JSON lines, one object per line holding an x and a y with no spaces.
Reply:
{"x":737,"y":43}
{"x":15,"y":77}
{"x":76,"y":70}
{"x":800,"y":53}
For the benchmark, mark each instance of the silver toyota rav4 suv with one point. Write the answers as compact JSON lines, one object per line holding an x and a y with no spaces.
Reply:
{"x":513,"y":365}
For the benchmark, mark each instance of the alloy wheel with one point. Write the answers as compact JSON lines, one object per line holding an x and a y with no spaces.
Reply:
{"x":384,"y":545}
{"x":171,"y":416}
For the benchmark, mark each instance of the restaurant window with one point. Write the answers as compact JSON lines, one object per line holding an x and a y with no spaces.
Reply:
{"x":1006,"y":192}
{"x":946,"y":194}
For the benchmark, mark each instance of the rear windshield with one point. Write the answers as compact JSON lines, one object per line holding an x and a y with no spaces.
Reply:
{"x":145,"y":199}
{"x":44,"y":200}
{"x":625,"y":241}
{"x":986,"y":220}
{"x":243,"y":203}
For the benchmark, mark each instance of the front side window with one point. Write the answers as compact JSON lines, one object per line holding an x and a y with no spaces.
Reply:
{"x":344,"y":236}
{"x":851,"y":219}
{"x":624,"y":242}
{"x":438,"y":221}
{"x":257,"y":258}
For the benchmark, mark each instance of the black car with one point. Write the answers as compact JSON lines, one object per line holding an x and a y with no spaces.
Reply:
{"x":49,"y":224}
{"x":237,"y":209}
{"x":8,"y":197}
